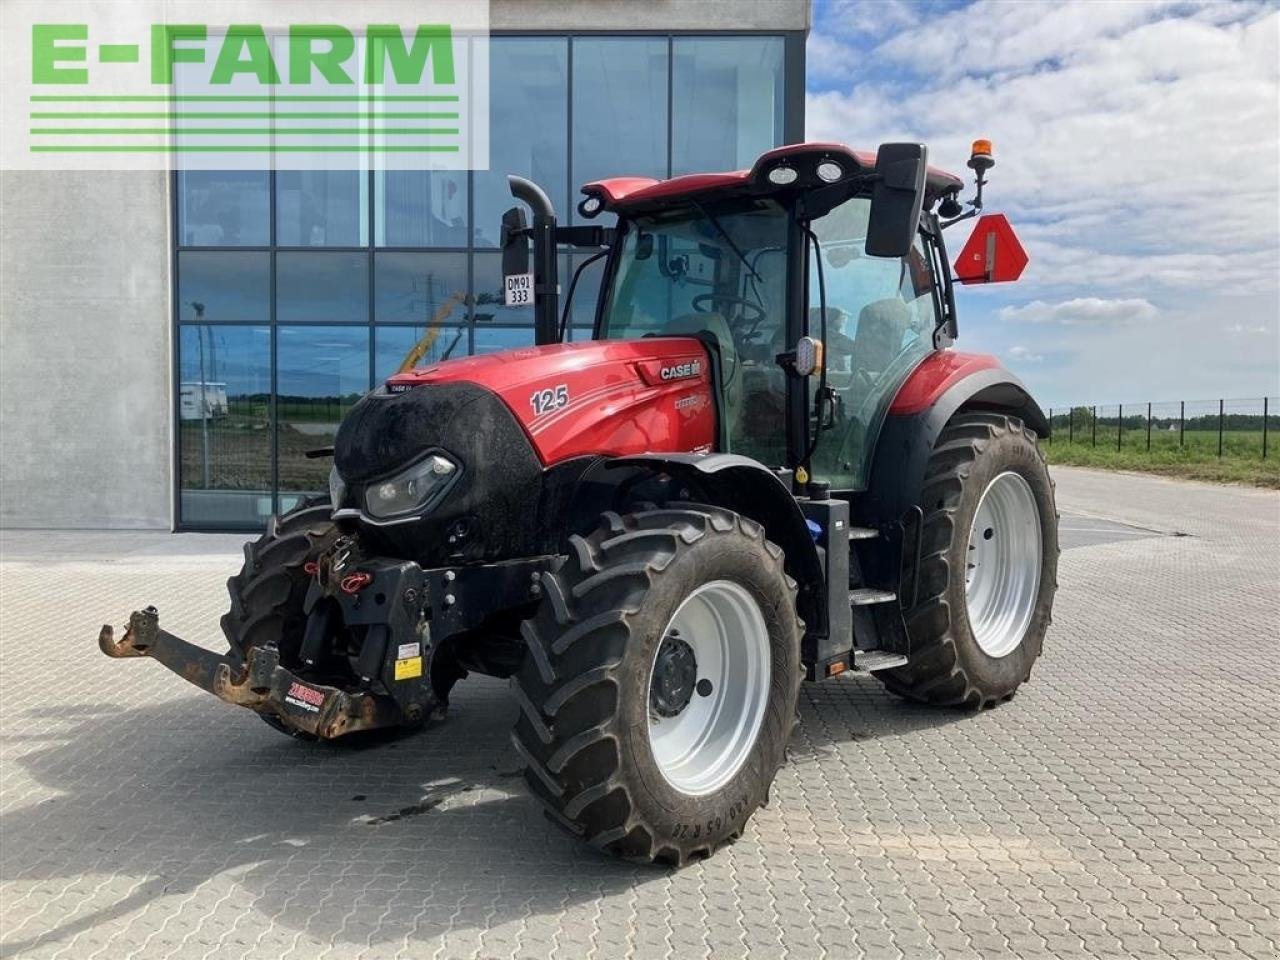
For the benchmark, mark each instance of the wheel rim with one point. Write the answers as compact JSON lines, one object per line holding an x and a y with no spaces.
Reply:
{"x":702,"y":727}
{"x":1004,"y":558}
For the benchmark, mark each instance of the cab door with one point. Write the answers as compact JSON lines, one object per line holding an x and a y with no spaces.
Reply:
{"x":880,"y":321}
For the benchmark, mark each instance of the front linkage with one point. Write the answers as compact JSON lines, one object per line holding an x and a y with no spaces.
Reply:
{"x":387,"y":619}
{"x":259,"y":683}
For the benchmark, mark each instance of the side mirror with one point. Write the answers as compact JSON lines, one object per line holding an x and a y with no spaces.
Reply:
{"x":514,"y":239}
{"x":896,"y":199}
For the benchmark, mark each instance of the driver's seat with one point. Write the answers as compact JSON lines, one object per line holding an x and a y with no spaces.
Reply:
{"x":878,"y":339}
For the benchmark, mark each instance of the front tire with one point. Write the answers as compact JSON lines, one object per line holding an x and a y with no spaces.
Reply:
{"x":636,"y":734}
{"x":268,"y":593}
{"x":988,"y":565}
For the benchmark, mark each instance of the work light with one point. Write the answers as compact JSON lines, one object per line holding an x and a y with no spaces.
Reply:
{"x":782,"y":175}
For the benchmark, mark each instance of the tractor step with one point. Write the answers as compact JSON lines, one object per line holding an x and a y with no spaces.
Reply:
{"x":863,"y":533}
{"x":869,"y":661}
{"x":863,"y":596}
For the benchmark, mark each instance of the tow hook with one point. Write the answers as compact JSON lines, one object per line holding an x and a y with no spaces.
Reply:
{"x":258,"y":683}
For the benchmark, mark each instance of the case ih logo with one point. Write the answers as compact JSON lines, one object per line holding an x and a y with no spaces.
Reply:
{"x":680,"y":371}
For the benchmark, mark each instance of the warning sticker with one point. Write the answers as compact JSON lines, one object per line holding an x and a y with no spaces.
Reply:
{"x":409,"y":668}
{"x":308,"y":698}
{"x":407,"y":650}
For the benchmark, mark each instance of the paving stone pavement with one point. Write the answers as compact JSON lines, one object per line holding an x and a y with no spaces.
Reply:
{"x":1123,"y":804}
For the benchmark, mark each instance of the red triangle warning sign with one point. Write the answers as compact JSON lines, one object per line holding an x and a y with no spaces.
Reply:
{"x":993,"y":253}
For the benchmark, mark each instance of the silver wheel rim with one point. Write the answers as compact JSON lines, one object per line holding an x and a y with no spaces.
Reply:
{"x":700,"y":748}
{"x":1004,"y":557}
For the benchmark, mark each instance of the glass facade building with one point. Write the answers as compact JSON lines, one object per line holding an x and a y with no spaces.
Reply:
{"x":295,"y":291}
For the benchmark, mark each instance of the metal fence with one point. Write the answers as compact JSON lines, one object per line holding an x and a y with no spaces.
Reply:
{"x":1243,"y":428}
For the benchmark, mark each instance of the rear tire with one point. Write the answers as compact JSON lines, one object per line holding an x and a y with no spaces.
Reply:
{"x":586,"y":687}
{"x":267,"y":594}
{"x":978,"y":628}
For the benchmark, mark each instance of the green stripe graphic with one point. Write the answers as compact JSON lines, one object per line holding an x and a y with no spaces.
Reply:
{"x":243,"y":98}
{"x":241,"y":131}
{"x":258,"y":115}
{"x":237,"y":148}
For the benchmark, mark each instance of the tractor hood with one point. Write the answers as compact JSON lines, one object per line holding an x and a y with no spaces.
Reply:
{"x":609,"y":397}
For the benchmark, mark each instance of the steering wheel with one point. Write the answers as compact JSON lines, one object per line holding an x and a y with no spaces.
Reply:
{"x":704,"y":303}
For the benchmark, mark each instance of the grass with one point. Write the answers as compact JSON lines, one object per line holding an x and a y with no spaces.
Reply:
{"x":1195,"y":459}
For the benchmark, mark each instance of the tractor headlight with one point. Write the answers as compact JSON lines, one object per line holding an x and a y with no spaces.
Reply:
{"x":412,"y":490}
{"x":337,"y":488}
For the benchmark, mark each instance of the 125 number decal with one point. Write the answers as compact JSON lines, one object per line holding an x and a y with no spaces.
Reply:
{"x":549,"y":399}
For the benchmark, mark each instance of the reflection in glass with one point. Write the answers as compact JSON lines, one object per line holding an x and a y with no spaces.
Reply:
{"x":320,"y":373}
{"x":419,"y":287}
{"x":223,"y":287}
{"x":420,"y":209}
{"x":529,"y":117}
{"x":726,"y":101}
{"x":489,"y":308}
{"x":395,"y":348}
{"x":322,"y":208}
{"x":313,"y":287}
{"x":224,"y":391}
{"x":494,"y":339}
{"x":583,"y":308}
{"x":219,"y":208}
{"x":619,"y":107}
{"x":428,"y":290}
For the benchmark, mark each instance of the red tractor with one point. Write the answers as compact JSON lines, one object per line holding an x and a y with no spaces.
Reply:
{"x":766,"y":466}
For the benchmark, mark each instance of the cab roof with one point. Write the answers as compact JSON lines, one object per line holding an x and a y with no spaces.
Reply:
{"x":637,"y":194}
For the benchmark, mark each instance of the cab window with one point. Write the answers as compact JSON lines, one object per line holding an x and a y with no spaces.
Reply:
{"x":719,"y":273}
{"x":880,"y":319}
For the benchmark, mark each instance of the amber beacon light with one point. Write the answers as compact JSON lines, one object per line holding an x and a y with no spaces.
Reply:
{"x":980,"y":158}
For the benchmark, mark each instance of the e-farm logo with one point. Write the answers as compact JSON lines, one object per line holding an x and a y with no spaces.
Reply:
{"x":134,"y":80}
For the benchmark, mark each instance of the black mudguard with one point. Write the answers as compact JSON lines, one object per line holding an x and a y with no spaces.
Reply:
{"x":751,"y":489}
{"x":902,"y":456}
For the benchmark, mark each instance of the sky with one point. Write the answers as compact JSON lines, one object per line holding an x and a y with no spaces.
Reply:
{"x":1137,"y":152}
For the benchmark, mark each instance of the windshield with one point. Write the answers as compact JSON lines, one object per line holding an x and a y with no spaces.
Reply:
{"x":720,"y":272}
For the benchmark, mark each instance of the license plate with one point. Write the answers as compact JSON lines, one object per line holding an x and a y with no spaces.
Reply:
{"x":519,"y":289}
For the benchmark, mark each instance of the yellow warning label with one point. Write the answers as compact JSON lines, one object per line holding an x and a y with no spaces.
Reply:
{"x":408,"y":669}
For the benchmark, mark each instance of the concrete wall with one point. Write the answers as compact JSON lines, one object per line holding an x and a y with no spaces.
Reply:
{"x":84,"y":350}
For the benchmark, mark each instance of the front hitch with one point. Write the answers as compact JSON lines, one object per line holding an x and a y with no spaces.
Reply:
{"x":259,"y":683}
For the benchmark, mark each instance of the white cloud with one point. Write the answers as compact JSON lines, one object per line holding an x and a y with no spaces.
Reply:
{"x":1250,"y":329}
{"x":853,"y":17}
{"x":1081,"y":312}
{"x":828,"y":60}
{"x":1125,"y":129}
{"x":1138,"y":157}
{"x":1024,"y":354}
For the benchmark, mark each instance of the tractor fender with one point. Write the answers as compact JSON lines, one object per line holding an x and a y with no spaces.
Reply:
{"x":944,"y":384}
{"x":751,"y":489}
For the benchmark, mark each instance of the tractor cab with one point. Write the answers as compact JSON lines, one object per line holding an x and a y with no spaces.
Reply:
{"x":817,"y":280}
